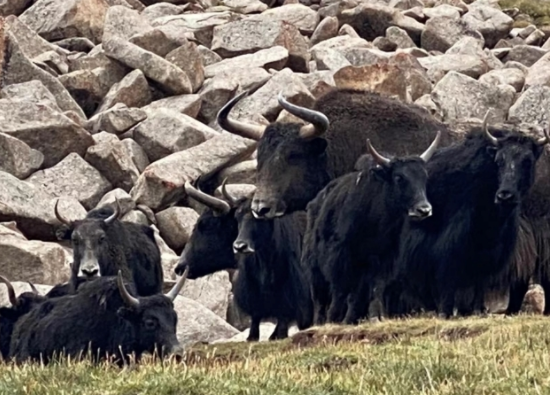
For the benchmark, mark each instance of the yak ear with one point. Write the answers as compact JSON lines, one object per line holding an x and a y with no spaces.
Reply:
{"x":127,"y":314}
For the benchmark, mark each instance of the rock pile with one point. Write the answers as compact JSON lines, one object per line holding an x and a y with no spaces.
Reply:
{"x":105,"y":98}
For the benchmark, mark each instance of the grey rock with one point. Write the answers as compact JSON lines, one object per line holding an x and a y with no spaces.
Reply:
{"x":525,"y":54}
{"x":133,"y":91}
{"x":511,"y":76}
{"x":137,"y":217}
{"x":137,"y":154}
{"x":118,"y":119}
{"x":266,"y":329}
{"x":241,"y":173}
{"x":155,"y":41}
{"x":30,"y":43}
{"x":17,"y":158}
{"x":491,"y":22}
{"x":126,"y":202}
{"x":539,"y":73}
{"x":13,"y":7}
{"x":208,"y":56}
{"x":104,"y":137}
{"x":20,"y":287}
{"x":299,"y":15}
{"x":74,"y":177}
{"x":186,"y":104}
{"x":443,"y":10}
{"x":326,"y":29}
{"x":347,"y":30}
{"x":188,"y":58}
{"x":272,"y":58}
{"x":160,"y":10}
{"x":32,"y":92}
{"x":399,"y":37}
{"x":535,"y":38}
{"x":532,"y":106}
{"x":76,"y":44}
{"x":176,"y":225}
{"x":53,"y":61}
{"x":442,"y":32}
{"x":329,"y":59}
{"x":384,"y":44}
{"x":212,"y":292}
{"x":245,"y":6}
{"x":470,"y":65}
{"x":124,"y":23}
{"x":88,"y":81}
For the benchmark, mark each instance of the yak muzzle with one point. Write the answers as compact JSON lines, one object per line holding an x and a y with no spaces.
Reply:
{"x":242,"y":247}
{"x":421,"y":211}
{"x":505,"y":196}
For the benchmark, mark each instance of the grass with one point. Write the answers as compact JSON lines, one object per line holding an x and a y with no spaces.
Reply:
{"x":539,"y":10}
{"x":495,"y":355}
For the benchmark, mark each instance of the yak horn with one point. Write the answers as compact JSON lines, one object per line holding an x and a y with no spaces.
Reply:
{"x":243,"y":129}
{"x":178,"y":286}
{"x":11,"y":292}
{"x":210,"y":201}
{"x":379,"y":159}
{"x":227,"y":196}
{"x":33,"y":288}
{"x":110,"y":220}
{"x":58,"y":216}
{"x":485,"y":127}
{"x":128,"y":299}
{"x":319,"y":121}
{"x":431,"y":149}
{"x":544,"y":140}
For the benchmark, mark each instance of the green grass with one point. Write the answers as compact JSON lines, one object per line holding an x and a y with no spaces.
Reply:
{"x":539,"y":10}
{"x":495,"y":355}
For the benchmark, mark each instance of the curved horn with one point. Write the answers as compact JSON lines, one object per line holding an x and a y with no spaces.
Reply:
{"x":379,"y":159}
{"x":126,"y":297}
{"x":115,"y":215}
{"x":11,"y":292}
{"x":243,"y":129}
{"x":178,"y":286}
{"x":227,"y":196}
{"x":58,"y":216}
{"x":319,"y":121}
{"x":33,"y":288}
{"x":431,"y":149}
{"x":210,"y":201}
{"x":544,"y":140}
{"x":485,"y":127}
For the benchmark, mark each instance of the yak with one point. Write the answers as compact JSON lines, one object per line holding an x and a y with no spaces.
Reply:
{"x":269,"y":281}
{"x":476,"y":188}
{"x":296,"y":161}
{"x":353,"y":231}
{"x":105,"y":319}
{"x":103,"y":245}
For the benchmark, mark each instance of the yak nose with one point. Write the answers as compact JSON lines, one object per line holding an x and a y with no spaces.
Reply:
{"x":504,"y":195}
{"x":90,"y":272}
{"x":421,"y":211}
{"x":182,"y":265}
{"x":241,"y":247}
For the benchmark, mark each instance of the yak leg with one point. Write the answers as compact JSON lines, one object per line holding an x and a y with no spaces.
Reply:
{"x":320,"y":294}
{"x":338,"y":305}
{"x":517,"y":293}
{"x":281,"y":330}
{"x":358,"y":301}
{"x":447,"y":301}
{"x":479,"y":299}
{"x":376,"y":306}
{"x":254,"y":334}
{"x":545,"y":284}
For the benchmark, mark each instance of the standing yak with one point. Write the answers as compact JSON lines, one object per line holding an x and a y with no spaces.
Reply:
{"x":476,"y":189}
{"x":270,"y":282}
{"x":354,"y":229}
{"x":103,"y":245}
{"x":296,"y":161}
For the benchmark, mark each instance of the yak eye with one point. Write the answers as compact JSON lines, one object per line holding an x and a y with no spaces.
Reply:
{"x":101,"y":238}
{"x":398,"y":178}
{"x":150,"y":324}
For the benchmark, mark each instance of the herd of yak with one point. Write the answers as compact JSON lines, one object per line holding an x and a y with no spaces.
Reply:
{"x":335,"y":231}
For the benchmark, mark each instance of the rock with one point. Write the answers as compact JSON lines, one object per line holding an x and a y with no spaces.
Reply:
{"x":245,"y":6}
{"x":211,"y":291}
{"x":534,"y":300}
{"x":443,"y":10}
{"x":133,"y":91}
{"x":33,"y":208}
{"x":76,"y":44}
{"x":532,"y":106}
{"x":469,"y":65}
{"x":428,"y":104}
{"x":179,"y":132}
{"x":272,"y":58}
{"x":162,"y":181}
{"x":525,"y":54}
{"x":399,"y":37}
{"x":328,"y":28}
{"x":43,"y":129}
{"x":136,"y":153}
{"x":460,"y":96}
{"x":510,"y":76}
{"x":104,"y":137}
{"x":137,"y":217}
{"x":235,"y":316}
{"x":171,"y":78}
{"x":238,"y":190}
{"x":30,"y":43}
{"x":405,"y":4}
{"x":160,"y":10}
{"x":266,"y":329}
{"x":539,"y":73}
{"x":188,"y":58}
{"x":241,"y":173}
{"x":17,"y":158}
{"x":52,"y":61}
{"x":186,"y":104}
{"x":124,"y":23}
{"x":117,"y":120}
{"x":442,"y":32}
{"x":35,"y":261}
{"x":19,"y":69}
{"x":329,"y":59}
{"x":347,"y":30}
{"x":196,"y":323}
{"x":73,"y":176}
{"x":492,"y":23}
{"x":208,"y":56}
{"x":86,"y":86}
{"x":13,"y":7}
{"x":20,"y":287}
{"x":155,"y":41}
{"x":114,"y":163}
{"x":126,"y":202}
{"x":299,"y":15}
{"x":250,"y":35}
{"x":384,"y":44}
{"x":535,"y":38}
{"x":31,"y":92}
{"x":176,"y":225}
{"x":59,"y":19}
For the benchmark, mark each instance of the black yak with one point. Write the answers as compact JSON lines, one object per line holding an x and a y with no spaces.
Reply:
{"x":353,"y":232}
{"x":105,"y":318}
{"x":103,"y":245}
{"x":476,"y":188}
{"x":296,"y":161}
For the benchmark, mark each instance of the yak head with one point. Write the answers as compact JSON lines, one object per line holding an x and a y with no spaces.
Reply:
{"x":292,"y":162}
{"x":404,"y":180}
{"x":89,"y":239}
{"x":250,"y":230}
{"x":153,"y":318}
{"x":515,"y":156}
{"x":209,"y":248}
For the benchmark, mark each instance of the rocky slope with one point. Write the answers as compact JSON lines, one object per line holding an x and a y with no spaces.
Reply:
{"x":105,"y":98}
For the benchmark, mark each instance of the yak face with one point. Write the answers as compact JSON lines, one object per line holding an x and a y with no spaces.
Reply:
{"x":209,"y":247}
{"x":291,"y":171}
{"x":90,"y":249}
{"x":154,"y":322}
{"x":251,"y":231}
{"x":516,"y":158}
{"x":405,"y":182}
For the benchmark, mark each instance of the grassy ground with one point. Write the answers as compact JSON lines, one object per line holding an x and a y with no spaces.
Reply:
{"x":496,"y":355}
{"x":539,"y":10}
